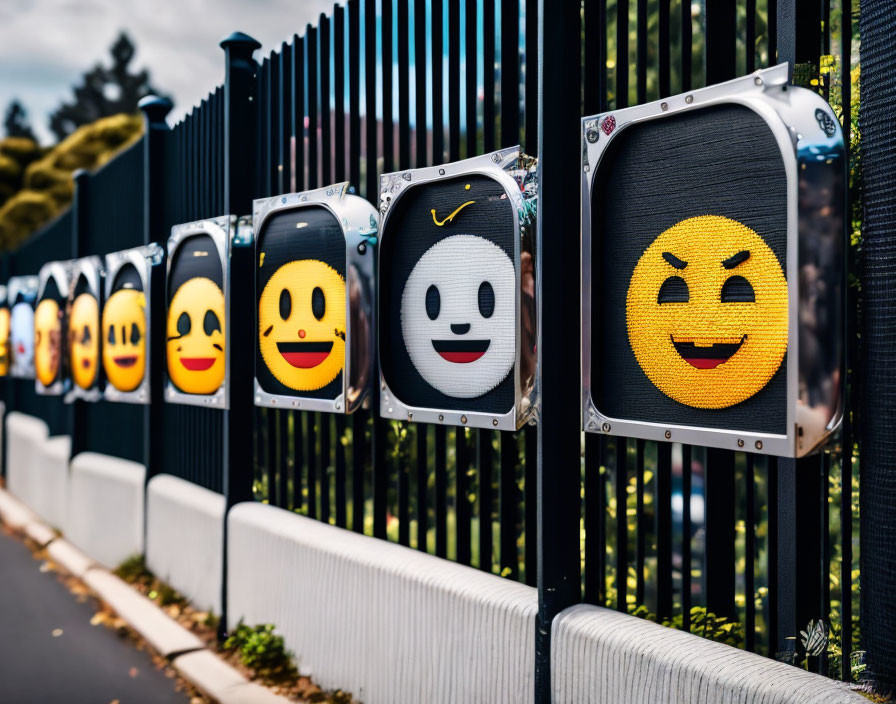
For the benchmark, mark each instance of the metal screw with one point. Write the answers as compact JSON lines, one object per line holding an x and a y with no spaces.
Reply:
{"x":441,"y":417}
{"x":740,"y":443}
{"x":441,"y":172}
{"x":362,"y":248}
{"x":390,"y":410}
{"x":668,"y":434}
{"x":495,"y":422}
{"x":689,"y":99}
{"x":257,"y":399}
{"x":463,"y":419}
{"x":591,"y":136}
{"x":757,"y":81}
{"x":664,"y":106}
{"x":273,"y":402}
{"x":606,"y":427}
{"x":410,"y":416}
{"x":759,"y":444}
{"x":496,"y":157}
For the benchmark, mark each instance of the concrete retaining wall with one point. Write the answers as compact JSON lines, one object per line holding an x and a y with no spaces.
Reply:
{"x":105,"y":517}
{"x":25,"y":436}
{"x":387,"y":623}
{"x":49,"y":480}
{"x":599,"y":656}
{"x":184,"y":538}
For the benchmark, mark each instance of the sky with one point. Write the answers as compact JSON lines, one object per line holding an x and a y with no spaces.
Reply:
{"x":46,"y":45}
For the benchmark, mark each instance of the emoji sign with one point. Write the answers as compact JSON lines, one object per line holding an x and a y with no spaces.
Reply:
{"x":448,"y":296}
{"x":300,"y":288}
{"x":4,"y":340}
{"x":21,"y":331}
{"x":195,"y":325}
{"x":689,"y":297}
{"x":48,"y":334}
{"x":84,"y":336}
{"x":124,"y":331}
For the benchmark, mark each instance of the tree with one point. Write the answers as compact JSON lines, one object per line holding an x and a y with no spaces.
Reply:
{"x":104,"y":91}
{"x":16,"y":121}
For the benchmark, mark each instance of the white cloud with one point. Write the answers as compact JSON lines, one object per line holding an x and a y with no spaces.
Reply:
{"x":45,"y":45}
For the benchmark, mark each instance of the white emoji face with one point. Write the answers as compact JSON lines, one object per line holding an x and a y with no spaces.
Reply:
{"x":457,"y":316}
{"x":22,"y":335}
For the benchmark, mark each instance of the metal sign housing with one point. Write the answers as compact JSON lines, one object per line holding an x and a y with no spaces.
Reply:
{"x":670,"y":383}
{"x":307,"y":267}
{"x":456,"y":293}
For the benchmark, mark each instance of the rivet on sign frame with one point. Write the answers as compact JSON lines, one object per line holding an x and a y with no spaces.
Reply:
{"x":740,"y":443}
{"x":441,"y":172}
{"x":441,"y":417}
{"x":664,"y":106}
{"x":495,"y":422}
{"x":689,"y":99}
{"x":757,"y":81}
{"x":410,"y":416}
{"x":759,"y":444}
{"x":463,"y":419}
{"x":258,"y":399}
{"x":391,"y":410}
{"x":606,"y":427}
{"x":667,"y":434}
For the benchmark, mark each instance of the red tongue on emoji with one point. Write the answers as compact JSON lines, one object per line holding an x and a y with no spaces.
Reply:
{"x":460,"y":351}
{"x":304,"y":355}
{"x":461,"y":357}
{"x":703,"y":363}
{"x":707,"y":357}
{"x":197,"y":364}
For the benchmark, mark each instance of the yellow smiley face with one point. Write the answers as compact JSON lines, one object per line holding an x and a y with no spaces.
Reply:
{"x":4,"y":341}
{"x":84,"y":340}
{"x":196,"y":337}
{"x":124,"y":327}
{"x":301,"y":324}
{"x":47,"y":338}
{"x":706,"y":312}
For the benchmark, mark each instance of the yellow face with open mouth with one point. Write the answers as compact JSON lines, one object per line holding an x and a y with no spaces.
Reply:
{"x":301,"y":324}
{"x":124,"y":351}
{"x":196,"y":337}
{"x":47,"y":341}
{"x":4,"y":341}
{"x":706,"y":312}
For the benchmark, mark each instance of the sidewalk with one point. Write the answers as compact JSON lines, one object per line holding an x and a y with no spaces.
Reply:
{"x":51,"y":654}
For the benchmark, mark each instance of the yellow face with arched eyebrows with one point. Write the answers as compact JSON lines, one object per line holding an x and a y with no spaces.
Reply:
{"x":84,"y":340}
{"x":301,"y":324}
{"x":707,"y":312}
{"x":124,"y":331}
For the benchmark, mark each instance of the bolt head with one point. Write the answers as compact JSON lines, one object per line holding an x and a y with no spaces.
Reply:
{"x":606,"y":427}
{"x":668,"y":434}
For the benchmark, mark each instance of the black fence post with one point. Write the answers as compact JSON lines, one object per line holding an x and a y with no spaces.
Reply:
{"x":877,"y":359}
{"x":239,"y":188}
{"x":559,"y":468}
{"x":80,"y":224}
{"x":155,"y":131}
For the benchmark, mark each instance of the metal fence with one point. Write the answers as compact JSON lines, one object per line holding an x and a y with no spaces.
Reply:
{"x":376,"y":86}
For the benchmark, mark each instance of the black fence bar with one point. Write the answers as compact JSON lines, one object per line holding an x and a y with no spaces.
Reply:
{"x":461,"y":500}
{"x":750,"y":554}
{"x":530,"y":506}
{"x":453,"y":81}
{"x":298,"y":116}
{"x":559,"y":469}
{"x":471,"y":80}
{"x":719,"y":496}
{"x":509,"y":505}
{"x":339,"y":73}
{"x":641,"y":526}
{"x":311,"y":64}
{"x":622,"y":63}
{"x":441,"y":498}
{"x":420,"y":121}
{"x":486,"y":500}
{"x":594,"y":517}
{"x":404,"y":91}
{"x":488,"y":75}
{"x":326,"y":144}
{"x":510,"y":72}
{"x":386,"y":36}
{"x":686,"y":536}
{"x":620,"y":476}
{"x":663,"y":503}
{"x":436,"y":52}
{"x":422,"y":507}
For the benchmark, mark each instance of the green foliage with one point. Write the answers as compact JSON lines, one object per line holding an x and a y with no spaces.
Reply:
{"x":132,"y":569}
{"x":262,"y":650}
{"x":703,"y":623}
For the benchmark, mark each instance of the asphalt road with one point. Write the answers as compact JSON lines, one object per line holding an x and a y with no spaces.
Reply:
{"x":49,"y":652}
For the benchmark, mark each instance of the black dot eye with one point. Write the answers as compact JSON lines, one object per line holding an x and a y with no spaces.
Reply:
{"x":285,"y":304}
{"x":486,"y":299}
{"x":318,"y":302}
{"x":737,"y":290}
{"x":111,"y":335}
{"x":135,"y":334}
{"x":433,"y":302}
{"x":211,"y":322}
{"x":674,"y":290}
{"x":183,"y":324}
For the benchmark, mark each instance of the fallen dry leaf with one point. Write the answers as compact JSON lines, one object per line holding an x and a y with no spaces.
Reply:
{"x":57,"y":632}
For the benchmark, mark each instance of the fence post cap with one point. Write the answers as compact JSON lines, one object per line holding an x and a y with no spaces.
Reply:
{"x":239,"y":40}
{"x":80,"y":174}
{"x":155,"y":108}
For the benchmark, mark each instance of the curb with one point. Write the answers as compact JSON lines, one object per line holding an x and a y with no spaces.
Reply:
{"x":188,"y":655}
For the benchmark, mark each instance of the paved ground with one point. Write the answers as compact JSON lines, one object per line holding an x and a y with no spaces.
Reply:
{"x":80,"y":663}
